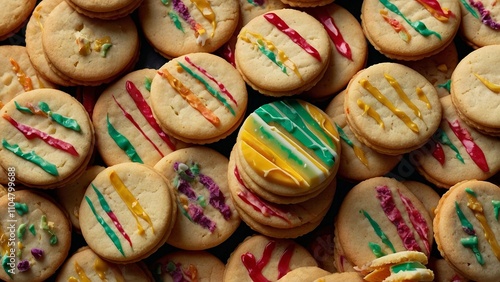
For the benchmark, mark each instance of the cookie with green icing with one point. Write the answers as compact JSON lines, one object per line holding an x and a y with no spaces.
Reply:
{"x":36,"y":236}
{"x":480,"y":22}
{"x":49,"y":138}
{"x":466,"y":229}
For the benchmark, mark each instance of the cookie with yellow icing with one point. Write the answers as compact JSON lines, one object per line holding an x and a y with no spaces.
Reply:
{"x":466,"y":229}
{"x":392,"y":108}
{"x":190,"y":265}
{"x":127,"y":212}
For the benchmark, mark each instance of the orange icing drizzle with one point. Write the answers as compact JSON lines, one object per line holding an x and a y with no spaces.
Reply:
{"x":190,"y":97}
{"x":490,"y":85}
{"x":371,"y":112}
{"x":207,"y":12}
{"x":402,"y":95}
{"x":23,"y":79}
{"x":397,"y":26}
{"x":382,"y":99}
{"x":81,"y":273}
{"x":422,"y":97}
{"x":132,"y":203}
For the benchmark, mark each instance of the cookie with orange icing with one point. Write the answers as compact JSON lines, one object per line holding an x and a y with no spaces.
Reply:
{"x":48,"y":138}
{"x":475,"y":89}
{"x":480,"y":22}
{"x":282,"y":52}
{"x":466,"y":229}
{"x":179,"y":27}
{"x":456,"y":151}
{"x":198,"y":98}
{"x":392,"y":108}
{"x":86,"y":264}
{"x":126,"y":129}
{"x":410,"y":30}
{"x":127,"y":212}
{"x":188,"y":265}
{"x":392,"y":219}
{"x":206,"y":215}
{"x":36,"y":236}
{"x":259,"y":257}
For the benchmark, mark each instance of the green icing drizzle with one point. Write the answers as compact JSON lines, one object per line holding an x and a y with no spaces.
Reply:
{"x":147,"y":83}
{"x":22,"y":109}
{"x":102,"y":201}
{"x":21,"y":230}
{"x":343,"y":136}
{"x":418,"y":26}
{"x":496,"y":207}
{"x":270,"y":55}
{"x":379,"y":231}
{"x":31,"y":157}
{"x":288,"y":152}
{"x":60,"y":119}
{"x":209,"y":88}
{"x":470,"y":9}
{"x":32,"y":229}
{"x":123,"y":143}
{"x":443,"y":138}
{"x":469,"y":242}
{"x":175,"y":19}
{"x":21,"y":208}
{"x":45,"y":226}
{"x":407,"y":266}
{"x":111,"y":234}
{"x":165,"y":2}
{"x":5,"y":265}
{"x":376,"y":249}
{"x":446,"y":85}
{"x":251,"y":2}
{"x":104,"y":49}
{"x":470,"y":191}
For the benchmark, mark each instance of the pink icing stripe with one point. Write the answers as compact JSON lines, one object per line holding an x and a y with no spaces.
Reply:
{"x":293,"y":34}
{"x":394,"y":215}
{"x":340,"y":44}
{"x":470,"y":146}
{"x":418,"y":221}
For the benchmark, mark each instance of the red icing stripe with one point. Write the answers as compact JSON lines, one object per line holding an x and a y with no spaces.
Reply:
{"x":394,"y":215}
{"x":32,"y":133}
{"x":284,"y":263}
{"x":255,"y":267}
{"x":293,"y":34}
{"x":418,"y":222}
{"x":438,"y":153}
{"x":340,"y":44}
{"x":471,"y":147}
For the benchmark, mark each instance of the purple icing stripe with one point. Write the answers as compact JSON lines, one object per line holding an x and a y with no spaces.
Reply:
{"x":485,"y":14}
{"x":196,"y":214}
{"x":217,"y":199}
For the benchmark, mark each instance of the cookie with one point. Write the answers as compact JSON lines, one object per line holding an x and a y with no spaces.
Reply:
{"x":466,"y":229}
{"x":18,"y":74}
{"x":198,"y":98}
{"x":357,"y":161}
{"x":456,"y":152}
{"x":391,"y":108}
{"x":13,"y":16}
{"x":127,"y":213}
{"x":391,"y":217}
{"x":106,"y":10}
{"x":425,"y":193}
{"x":36,"y":236}
{"x":282,"y":52}
{"x":307,"y":3}
{"x":92,"y":51}
{"x":443,"y":271}
{"x":479,"y":26}
{"x":410,"y":31}
{"x":321,"y":247}
{"x":86,"y":264}
{"x":179,"y":27}
{"x":126,"y":130}
{"x":50,"y":138}
{"x":475,"y":88}
{"x":260,"y":257}
{"x":206,"y":216}
{"x":189,"y":265}
{"x":250,"y":9}
{"x":305,"y":273}
{"x":349,"y":50}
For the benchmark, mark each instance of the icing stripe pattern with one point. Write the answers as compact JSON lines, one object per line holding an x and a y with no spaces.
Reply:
{"x":32,"y":157}
{"x":433,"y":6}
{"x":474,"y":151}
{"x":182,"y":10}
{"x":255,"y":267}
{"x":397,"y":26}
{"x":357,"y":150}
{"x":335,"y":35}
{"x":123,"y":142}
{"x":43,"y":109}
{"x":471,"y":241}
{"x":490,"y":85}
{"x":23,"y":79}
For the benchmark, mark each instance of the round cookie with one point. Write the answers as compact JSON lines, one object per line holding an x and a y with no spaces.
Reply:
{"x":349,"y":50}
{"x":71,"y":195}
{"x":456,"y":152}
{"x":126,"y":129}
{"x":259,"y":256}
{"x":282,"y":52}
{"x":179,"y":27}
{"x":13,"y":16}
{"x":127,"y":213}
{"x":206,"y":215}
{"x":443,"y":271}
{"x":392,"y":108}
{"x":480,"y":22}
{"x":425,"y":193}
{"x":250,"y":9}
{"x":475,"y":87}
{"x":36,"y":236}
{"x":357,"y":161}
{"x":198,"y":98}
{"x":50,"y":138}
{"x":410,"y":31}
{"x":190,"y":266}
{"x":307,"y":3}
{"x":106,"y":10}
{"x":321,"y":247}
{"x":466,"y":229}
{"x":378,"y":217}
{"x":91,"y":51}
{"x":85,"y":263}
{"x":305,"y":273}
{"x":18,"y":74}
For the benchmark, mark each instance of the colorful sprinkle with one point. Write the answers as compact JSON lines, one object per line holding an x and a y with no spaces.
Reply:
{"x":21,"y":208}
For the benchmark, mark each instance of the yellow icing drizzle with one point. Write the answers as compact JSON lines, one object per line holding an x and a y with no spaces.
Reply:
{"x":327,"y":126}
{"x":402,"y":95}
{"x":490,"y":85}
{"x":23,"y":79}
{"x":81,"y":273}
{"x":207,"y":12}
{"x":4,"y":242}
{"x":477,"y":209}
{"x":132,"y":203}
{"x":100,"y":268}
{"x":190,"y":97}
{"x":101,"y":41}
{"x":37,"y":16}
{"x":382,"y":99}
{"x":422,"y":97}
{"x":371,"y":112}
{"x":72,"y":279}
